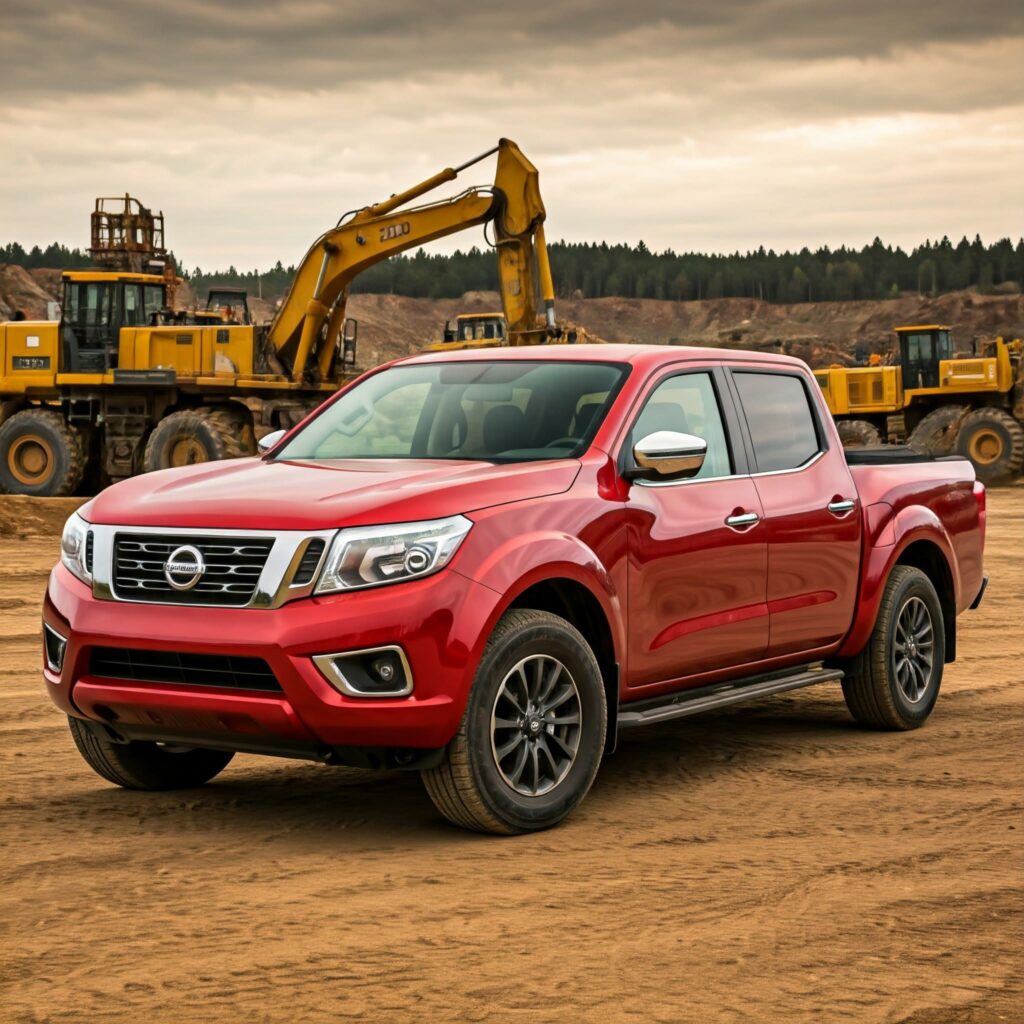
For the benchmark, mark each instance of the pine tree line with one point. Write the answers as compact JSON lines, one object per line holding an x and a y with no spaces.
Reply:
{"x":597,"y":270}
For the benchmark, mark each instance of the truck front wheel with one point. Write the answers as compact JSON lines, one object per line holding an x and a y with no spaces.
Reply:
{"x":896,"y":680}
{"x":533,"y":732}
{"x":143,"y":765}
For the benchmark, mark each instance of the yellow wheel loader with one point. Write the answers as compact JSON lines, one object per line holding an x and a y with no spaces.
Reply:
{"x":937,"y":400}
{"x":125,"y":383}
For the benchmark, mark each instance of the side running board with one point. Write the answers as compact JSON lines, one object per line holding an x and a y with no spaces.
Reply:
{"x":720,"y":695}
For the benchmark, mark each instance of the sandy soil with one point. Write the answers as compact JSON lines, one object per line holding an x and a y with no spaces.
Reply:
{"x":771,"y":862}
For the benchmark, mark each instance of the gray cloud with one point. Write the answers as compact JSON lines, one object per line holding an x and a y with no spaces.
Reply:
{"x":692,"y":125}
{"x":96,"y":46}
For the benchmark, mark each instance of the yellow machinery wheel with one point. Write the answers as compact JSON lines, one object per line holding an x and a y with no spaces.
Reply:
{"x":40,"y":454}
{"x":994,"y":441}
{"x":192,"y":436}
{"x":936,"y":431}
{"x":858,"y":434}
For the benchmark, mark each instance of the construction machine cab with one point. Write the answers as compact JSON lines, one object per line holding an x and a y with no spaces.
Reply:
{"x":230,"y":305}
{"x":922,"y":348}
{"x":476,"y":327}
{"x":95,"y":306}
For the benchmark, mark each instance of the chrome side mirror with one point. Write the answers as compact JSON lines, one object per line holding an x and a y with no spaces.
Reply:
{"x":668,"y":455}
{"x":265,"y":443}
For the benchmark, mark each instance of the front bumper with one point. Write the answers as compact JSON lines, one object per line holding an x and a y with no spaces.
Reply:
{"x":441,"y":623}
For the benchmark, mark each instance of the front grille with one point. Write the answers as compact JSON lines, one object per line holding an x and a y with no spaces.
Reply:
{"x":233,"y":567}
{"x":225,"y":670}
{"x":310,"y":562}
{"x":88,"y":551}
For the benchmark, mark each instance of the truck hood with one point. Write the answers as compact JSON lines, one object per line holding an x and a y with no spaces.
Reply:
{"x":252,"y":494}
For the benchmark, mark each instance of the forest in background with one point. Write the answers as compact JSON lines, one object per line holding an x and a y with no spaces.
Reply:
{"x":600,"y":270}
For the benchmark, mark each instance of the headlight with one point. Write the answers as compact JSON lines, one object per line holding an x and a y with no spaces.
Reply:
{"x":75,"y":549}
{"x":372,"y":555}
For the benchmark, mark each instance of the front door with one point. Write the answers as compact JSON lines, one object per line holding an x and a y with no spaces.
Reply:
{"x":697,"y":548}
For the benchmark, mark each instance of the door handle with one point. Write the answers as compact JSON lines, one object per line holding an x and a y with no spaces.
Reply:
{"x":739,"y":521}
{"x":840,"y":508}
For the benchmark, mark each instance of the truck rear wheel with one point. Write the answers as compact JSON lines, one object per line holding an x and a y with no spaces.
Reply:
{"x":191,"y":436}
{"x":532,"y":735}
{"x":936,"y":431}
{"x":143,"y":765}
{"x":40,"y":454}
{"x":858,"y":434}
{"x":897,"y":678}
{"x":994,"y":441}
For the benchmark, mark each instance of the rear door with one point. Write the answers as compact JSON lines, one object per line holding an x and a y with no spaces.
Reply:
{"x":697,"y":549}
{"x":811,"y":512}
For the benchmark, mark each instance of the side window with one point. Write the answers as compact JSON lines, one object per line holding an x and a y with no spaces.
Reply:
{"x":782,"y":425}
{"x":688,"y":404}
{"x":132,"y":305}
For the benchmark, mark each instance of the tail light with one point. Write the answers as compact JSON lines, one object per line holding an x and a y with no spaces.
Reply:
{"x":980,"y":498}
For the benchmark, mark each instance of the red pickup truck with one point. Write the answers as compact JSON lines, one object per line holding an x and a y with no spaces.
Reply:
{"x":485,"y":565}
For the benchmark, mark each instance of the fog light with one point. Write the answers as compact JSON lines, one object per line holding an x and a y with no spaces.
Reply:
{"x":54,"y":648}
{"x":378,"y":672}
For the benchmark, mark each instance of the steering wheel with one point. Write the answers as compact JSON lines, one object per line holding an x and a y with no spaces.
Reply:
{"x":561,"y":441}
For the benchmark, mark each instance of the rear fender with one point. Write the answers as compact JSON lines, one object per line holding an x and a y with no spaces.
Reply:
{"x":910,"y":525}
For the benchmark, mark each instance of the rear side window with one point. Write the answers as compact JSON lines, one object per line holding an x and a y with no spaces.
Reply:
{"x":782,"y":424}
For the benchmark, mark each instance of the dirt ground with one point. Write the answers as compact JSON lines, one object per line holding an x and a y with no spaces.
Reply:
{"x":767,"y":863}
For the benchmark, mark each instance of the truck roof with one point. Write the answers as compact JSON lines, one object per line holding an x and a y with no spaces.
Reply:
{"x":644,"y":356}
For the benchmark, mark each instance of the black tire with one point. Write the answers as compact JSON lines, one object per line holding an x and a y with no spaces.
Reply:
{"x":876,"y":690}
{"x":40,"y":454}
{"x":242,"y":428}
{"x":471,"y":787}
{"x":142,"y":765}
{"x":936,"y":431}
{"x":994,"y":441}
{"x":192,"y":436}
{"x":858,"y":434}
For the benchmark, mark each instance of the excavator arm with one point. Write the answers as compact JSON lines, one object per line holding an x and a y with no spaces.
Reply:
{"x":305,"y":329}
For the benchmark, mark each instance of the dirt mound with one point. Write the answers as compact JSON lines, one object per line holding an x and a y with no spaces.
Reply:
{"x":27,"y":291}
{"x":820,"y":332}
{"x":23,"y":517}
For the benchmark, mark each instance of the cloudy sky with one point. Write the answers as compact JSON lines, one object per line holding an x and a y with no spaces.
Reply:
{"x":697,"y":124}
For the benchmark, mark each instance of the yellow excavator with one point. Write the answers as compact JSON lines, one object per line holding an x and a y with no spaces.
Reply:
{"x":937,"y":400}
{"x":125,"y":383}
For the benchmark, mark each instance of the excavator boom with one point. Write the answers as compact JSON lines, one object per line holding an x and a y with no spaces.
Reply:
{"x":305,"y":330}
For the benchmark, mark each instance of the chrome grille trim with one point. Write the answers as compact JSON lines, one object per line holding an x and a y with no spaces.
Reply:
{"x":252,"y":582}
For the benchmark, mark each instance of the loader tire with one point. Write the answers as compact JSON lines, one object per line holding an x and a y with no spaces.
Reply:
{"x":40,"y":454}
{"x":242,"y":424}
{"x":936,"y":432}
{"x":191,"y":436}
{"x":858,"y":434}
{"x":994,"y":441}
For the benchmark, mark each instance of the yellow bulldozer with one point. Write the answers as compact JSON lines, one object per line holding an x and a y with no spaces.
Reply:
{"x":125,"y":382}
{"x":937,"y":400}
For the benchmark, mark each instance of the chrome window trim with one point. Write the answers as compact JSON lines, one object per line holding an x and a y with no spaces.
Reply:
{"x":273,"y":588}
{"x":796,"y":469}
{"x":733,"y":476}
{"x":330,"y":671}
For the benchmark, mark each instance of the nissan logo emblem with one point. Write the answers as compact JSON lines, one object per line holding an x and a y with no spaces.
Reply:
{"x":185,"y":567}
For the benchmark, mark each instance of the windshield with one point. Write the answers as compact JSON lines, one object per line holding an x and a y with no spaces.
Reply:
{"x":501,"y":411}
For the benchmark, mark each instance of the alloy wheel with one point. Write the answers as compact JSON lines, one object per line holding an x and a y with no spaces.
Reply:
{"x":535,"y":725}
{"x":914,"y":649}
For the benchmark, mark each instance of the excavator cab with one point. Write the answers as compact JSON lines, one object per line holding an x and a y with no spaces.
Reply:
{"x":230,"y":305}
{"x":95,"y":306}
{"x":922,"y":348}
